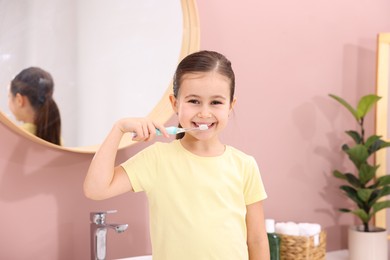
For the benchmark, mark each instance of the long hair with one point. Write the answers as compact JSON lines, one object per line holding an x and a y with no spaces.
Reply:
{"x":203,"y":61}
{"x":38,"y":86}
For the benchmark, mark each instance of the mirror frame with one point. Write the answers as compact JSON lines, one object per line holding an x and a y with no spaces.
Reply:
{"x":162,"y":112}
{"x":381,"y":118}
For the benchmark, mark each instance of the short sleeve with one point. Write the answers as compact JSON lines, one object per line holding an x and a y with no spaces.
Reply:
{"x":254,"y":190}
{"x":141,"y":169}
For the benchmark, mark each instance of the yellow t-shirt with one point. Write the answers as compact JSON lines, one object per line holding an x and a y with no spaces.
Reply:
{"x":32,"y":129}
{"x":197,"y":204}
{"x":29,"y":127}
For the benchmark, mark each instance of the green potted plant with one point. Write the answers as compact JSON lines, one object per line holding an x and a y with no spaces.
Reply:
{"x":361,"y":186}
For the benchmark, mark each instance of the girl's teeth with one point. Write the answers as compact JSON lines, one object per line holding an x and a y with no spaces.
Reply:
{"x":203,"y":127}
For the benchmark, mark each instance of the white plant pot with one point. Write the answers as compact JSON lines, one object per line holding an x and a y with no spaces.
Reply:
{"x":367,"y":245}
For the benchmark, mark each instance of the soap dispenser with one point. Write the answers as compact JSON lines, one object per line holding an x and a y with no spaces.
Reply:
{"x":273,"y":239}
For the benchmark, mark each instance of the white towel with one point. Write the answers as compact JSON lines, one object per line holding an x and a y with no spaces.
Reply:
{"x":287,"y":228}
{"x":309,"y":229}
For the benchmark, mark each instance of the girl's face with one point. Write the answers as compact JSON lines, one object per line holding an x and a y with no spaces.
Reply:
{"x":13,"y":105}
{"x":203,"y":98}
{"x":18,"y":105}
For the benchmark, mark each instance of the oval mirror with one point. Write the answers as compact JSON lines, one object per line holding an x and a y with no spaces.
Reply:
{"x":109,"y":59}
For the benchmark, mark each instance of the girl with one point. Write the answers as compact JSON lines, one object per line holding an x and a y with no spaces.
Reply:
{"x":205,"y":197}
{"x":31,"y":101}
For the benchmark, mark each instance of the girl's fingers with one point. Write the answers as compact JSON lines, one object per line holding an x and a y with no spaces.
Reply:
{"x":144,"y":128}
{"x":161,"y":128}
{"x":148,"y":130}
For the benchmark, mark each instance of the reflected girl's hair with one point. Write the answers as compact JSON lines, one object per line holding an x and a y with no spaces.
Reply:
{"x":203,"y":61}
{"x":38,"y":86}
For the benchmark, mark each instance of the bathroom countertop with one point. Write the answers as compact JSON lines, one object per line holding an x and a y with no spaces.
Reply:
{"x":145,"y":257}
{"x":337,"y":255}
{"x":333,"y":255}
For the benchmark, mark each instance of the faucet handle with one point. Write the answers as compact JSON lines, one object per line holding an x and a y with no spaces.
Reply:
{"x":99,"y":217}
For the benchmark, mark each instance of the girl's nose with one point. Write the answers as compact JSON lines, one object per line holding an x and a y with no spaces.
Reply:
{"x":204,"y":113}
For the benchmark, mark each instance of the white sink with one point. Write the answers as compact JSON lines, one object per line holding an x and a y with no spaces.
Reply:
{"x":144,"y":257}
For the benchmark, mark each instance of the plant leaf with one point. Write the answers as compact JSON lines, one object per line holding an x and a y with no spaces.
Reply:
{"x":355,"y":136}
{"x":362,"y":215}
{"x":353,"y":180}
{"x":384,"y":191}
{"x":384,"y":144}
{"x":346,"y":105}
{"x":383,"y":180}
{"x":366,"y":173}
{"x":339,"y":175}
{"x":380,"y":205}
{"x":345,"y":147}
{"x":364,"y":194}
{"x":370,"y":140}
{"x":365,"y":104}
{"x":352,"y":194}
{"x":377,"y":194}
{"x":358,"y":154}
{"x":375,"y":144}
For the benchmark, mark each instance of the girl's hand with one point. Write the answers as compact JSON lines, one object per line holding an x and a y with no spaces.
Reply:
{"x":143,"y":128}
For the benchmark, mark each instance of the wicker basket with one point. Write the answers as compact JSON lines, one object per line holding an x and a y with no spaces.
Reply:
{"x":302,"y":248}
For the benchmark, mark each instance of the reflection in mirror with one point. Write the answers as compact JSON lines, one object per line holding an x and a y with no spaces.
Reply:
{"x":109,"y":59}
{"x":382,"y":157}
{"x":31,"y":101}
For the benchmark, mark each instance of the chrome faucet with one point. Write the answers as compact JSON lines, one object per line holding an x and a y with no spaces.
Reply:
{"x":99,"y":233}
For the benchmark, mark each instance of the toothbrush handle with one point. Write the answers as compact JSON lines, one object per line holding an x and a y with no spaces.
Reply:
{"x":172,"y":130}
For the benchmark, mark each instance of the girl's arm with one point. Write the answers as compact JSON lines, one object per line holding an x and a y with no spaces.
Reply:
{"x":103,"y":179}
{"x":257,"y":239}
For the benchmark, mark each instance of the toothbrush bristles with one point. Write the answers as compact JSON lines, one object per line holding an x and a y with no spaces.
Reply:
{"x":203,"y":127}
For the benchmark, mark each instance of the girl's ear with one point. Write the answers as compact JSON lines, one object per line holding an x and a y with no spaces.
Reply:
{"x":173,"y":102}
{"x":20,"y":100}
{"x":232,"y":104}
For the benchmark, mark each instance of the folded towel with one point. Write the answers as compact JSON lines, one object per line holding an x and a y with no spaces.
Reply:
{"x":309,"y":229}
{"x":300,"y":229}
{"x":287,"y":228}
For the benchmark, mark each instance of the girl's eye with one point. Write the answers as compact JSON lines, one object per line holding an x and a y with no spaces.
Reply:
{"x":216,"y":102}
{"x":193,"y":101}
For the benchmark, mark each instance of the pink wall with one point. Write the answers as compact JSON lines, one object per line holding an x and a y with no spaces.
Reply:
{"x":287,"y":58}
{"x":44,"y":214}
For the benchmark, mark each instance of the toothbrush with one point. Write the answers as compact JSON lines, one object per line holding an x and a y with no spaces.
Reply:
{"x":173,"y":130}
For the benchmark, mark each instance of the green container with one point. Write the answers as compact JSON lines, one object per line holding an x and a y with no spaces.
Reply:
{"x":273,"y":239}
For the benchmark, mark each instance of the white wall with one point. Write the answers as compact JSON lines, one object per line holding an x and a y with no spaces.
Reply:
{"x":109,"y":59}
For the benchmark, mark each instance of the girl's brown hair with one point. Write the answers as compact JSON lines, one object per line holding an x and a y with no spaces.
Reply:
{"x":38,"y":86}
